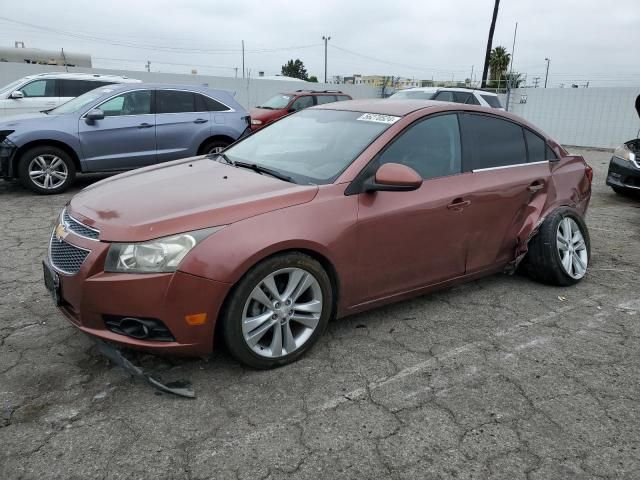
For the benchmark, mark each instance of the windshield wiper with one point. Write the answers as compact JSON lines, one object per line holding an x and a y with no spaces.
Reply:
{"x":261,"y":169}
{"x":266,"y":108}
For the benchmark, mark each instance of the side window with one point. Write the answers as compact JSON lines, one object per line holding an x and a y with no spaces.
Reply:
{"x":130,"y":103}
{"x":461,"y":97}
{"x":302,"y":103}
{"x":444,"y":96}
{"x":492,"y":142}
{"x":342,"y":98}
{"x":173,"y":101}
{"x":321,"y":99}
{"x":206,"y":104}
{"x":536,"y":147}
{"x":40,"y":88}
{"x":431,"y":147}
{"x":472,"y":100}
{"x":75,"y":88}
{"x":550,"y":154}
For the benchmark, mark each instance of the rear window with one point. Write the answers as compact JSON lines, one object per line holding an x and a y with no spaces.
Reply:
{"x":75,"y":88}
{"x":207,"y":104}
{"x":342,"y":98}
{"x":492,"y":100}
{"x":320,"y":99}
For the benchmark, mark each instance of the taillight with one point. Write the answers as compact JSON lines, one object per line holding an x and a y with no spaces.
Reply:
{"x":589,"y":172}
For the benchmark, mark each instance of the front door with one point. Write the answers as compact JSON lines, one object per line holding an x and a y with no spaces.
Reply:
{"x":407,"y":240}
{"x":125,"y":138}
{"x":37,"y":95}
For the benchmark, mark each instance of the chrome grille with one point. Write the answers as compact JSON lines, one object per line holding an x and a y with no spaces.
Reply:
{"x":79,"y":228}
{"x":65,"y":257}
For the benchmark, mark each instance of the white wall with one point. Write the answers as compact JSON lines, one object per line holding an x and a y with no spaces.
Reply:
{"x":249,"y":93}
{"x":587,"y":117}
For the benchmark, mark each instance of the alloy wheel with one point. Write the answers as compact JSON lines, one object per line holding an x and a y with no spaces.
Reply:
{"x":282,"y":312}
{"x":215,"y":150}
{"x":572,"y":248}
{"x":48,"y":171}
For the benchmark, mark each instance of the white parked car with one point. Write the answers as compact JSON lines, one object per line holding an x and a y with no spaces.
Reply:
{"x":45,"y":91}
{"x":468,"y":96}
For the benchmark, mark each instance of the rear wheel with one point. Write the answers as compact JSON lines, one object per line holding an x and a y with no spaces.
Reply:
{"x":559,"y":254}
{"x":278,"y":311}
{"x":213,"y":147}
{"x":46,"y":170}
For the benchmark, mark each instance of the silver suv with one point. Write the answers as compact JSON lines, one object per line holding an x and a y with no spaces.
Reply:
{"x":45,"y":91}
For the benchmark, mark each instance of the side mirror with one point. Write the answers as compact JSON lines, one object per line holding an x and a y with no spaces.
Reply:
{"x":93,"y":115}
{"x":16,"y":94}
{"x":394,"y":177}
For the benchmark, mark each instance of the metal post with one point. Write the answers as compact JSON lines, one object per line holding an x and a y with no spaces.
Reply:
{"x":242,"y":58}
{"x":546,"y":77}
{"x":510,"y":78}
{"x":148,"y":66}
{"x":326,"y":39}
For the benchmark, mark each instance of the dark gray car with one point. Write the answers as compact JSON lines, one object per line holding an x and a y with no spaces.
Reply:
{"x":116,"y":128}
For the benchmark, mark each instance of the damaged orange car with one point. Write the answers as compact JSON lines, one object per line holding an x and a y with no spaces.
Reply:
{"x":331,"y":211}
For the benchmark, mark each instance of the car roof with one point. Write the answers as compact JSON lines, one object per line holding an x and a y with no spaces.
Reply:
{"x":477,"y":90}
{"x":168,"y":86}
{"x":315,"y":92}
{"x":84,"y":76}
{"x":420,"y":89}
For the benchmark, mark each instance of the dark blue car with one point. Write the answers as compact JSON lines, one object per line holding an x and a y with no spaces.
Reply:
{"x":116,"y":128}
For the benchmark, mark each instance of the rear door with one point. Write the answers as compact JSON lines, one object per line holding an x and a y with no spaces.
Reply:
{"x":38,"y":95}
{"x":506,"y":191}
{"x":180,"y":127}
{"x":407,"y":240}
{"x":125,"y":138}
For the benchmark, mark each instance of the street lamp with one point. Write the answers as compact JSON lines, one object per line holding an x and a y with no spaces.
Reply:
{"x":326,"y":39}
{"x":548,"y":60}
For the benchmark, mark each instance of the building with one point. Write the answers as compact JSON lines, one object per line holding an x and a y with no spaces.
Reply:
{"x":20,"y":54}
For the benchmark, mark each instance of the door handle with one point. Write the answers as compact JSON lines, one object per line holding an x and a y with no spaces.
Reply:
{"x":145,"y":125}
{"x":459,"y":204}
{"x":536,"y":186}
{"x":200,"y":120}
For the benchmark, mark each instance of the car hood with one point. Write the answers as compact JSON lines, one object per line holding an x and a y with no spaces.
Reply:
{"x":265,"y":114}
{"x":30,"y":121}
{"x":181,"y":196}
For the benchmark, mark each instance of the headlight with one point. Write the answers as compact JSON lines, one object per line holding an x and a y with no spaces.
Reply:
{"x":154,"y":256}
{"x":623,"y":152}
{"x":256,"y":122}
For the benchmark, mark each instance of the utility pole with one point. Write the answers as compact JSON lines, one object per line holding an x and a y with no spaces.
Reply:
{"x":471,"y":77}
{"x":535,"y":82}
{"x":485,"y":70}
{"x":236,"y":70}
{"x":510,"y":77}
{"x":546,"y":77}
{"x":242,"y":58}
{"x":326,"y":39}
{"x":148,"y":66}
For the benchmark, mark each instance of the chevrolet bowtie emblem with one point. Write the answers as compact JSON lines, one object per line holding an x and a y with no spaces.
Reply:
{"x":60,"y":232}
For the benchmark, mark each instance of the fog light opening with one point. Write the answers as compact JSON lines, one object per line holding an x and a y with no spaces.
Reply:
{"x":134,"y":328}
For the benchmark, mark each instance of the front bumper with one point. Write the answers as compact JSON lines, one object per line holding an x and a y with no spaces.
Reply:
{"x":91,"y":296}
{"x":7,"y":154}
{"x":623,"y":174}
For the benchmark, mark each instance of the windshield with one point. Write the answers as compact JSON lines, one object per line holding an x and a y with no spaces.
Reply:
{"x":276,"y":103}
{"x":413,"y":94}
{"x":10,"y":87}
{"x":80,"y":102}
{"x":312,"y":146}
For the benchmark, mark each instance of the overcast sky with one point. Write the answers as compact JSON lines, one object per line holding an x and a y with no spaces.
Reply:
{"x":586,"y":40}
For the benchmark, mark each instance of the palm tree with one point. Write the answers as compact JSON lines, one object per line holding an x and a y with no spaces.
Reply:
{"x":499,"y":63}
{"x":485,"y":70}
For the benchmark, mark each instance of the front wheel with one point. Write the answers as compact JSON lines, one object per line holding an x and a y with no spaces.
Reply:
{"x":278,"y":311}
{"x":559,"y":254}
{"x":214,"y":147}
{"x":46,"y":170}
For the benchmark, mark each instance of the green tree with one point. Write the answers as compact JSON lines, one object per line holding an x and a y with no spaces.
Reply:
{"x":514,"y":79}
{"x":313,"y":79}
{"x":295,"y":68}
{"x":499,"y":63}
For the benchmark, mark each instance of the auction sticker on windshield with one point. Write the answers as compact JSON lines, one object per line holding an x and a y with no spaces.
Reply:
{"x":378,"y":118}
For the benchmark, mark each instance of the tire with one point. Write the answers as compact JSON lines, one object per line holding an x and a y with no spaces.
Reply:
{"x":271,"y":323}
{"x":620,"y":191}
{"x":210,"y":146}
{"x":543,"y":261}
{"x":46,"y":159}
